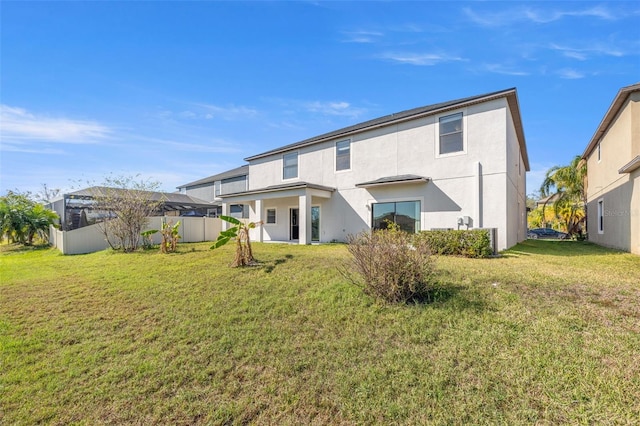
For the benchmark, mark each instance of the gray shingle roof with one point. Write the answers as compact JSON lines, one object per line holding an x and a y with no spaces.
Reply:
{"x":238,"y":171}
{"x":394,"y":179}
{"x":174,"y":199}
{"x":277,"y":188}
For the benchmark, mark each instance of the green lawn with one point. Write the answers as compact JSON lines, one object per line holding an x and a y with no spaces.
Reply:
{"x":549,"y":333}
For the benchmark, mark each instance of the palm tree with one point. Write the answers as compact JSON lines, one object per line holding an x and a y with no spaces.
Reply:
{"x":568,"y":184}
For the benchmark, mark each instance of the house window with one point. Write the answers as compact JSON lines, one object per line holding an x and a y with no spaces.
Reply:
{"x":290,"y":166}
{"x":405,"y":214}
{"x":239,"y":211}
{"x":271,"y":215}
{"x":315,"y":223}
{"x":451,"y":134}
{"x":599,"y":153}
{"x":343,"y":155}
{"x":600,"y":216}
{"x":216,"y":188}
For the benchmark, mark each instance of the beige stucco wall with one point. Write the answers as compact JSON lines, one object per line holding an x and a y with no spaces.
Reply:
{"x":620,"y":193}
{"x":481,"y":182}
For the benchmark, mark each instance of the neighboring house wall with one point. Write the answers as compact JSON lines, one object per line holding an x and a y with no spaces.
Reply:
{"x":486,"y":181}
{"x":204,"y":192}
{"x":234,"y":184}
{"x":220,"y":185}
{"x":616,"y":223}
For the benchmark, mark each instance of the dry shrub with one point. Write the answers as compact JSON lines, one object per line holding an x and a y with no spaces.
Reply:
{"x":391,"y":266}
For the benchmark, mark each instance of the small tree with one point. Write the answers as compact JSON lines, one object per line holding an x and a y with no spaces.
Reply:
{"x":128,"y":202}
{"x":170,"y":237}
{"x":240,"y":231}
{"x":21,"y":218}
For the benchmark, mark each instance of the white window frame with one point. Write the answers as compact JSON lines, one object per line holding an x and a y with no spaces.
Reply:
{"x":297,"y":154}
{"x":464,"y":134}
{"x":335,"y":158}
{"x":275,"y":216}
{"x":423,"y":214}
{"x":601,"y":216}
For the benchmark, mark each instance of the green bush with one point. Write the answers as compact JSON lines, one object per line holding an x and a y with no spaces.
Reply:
{"x":468,"y":243}
{"x":391,"y":266}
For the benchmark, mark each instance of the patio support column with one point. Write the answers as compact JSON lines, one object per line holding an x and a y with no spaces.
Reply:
{"x":304,"y":218}
{"x":225,"y":212}
{"x":258,"y":218}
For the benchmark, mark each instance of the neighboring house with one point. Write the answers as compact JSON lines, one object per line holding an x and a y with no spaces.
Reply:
{"x":613,"y":174}
{"x":456,"y":165}
{"x":547,"y":201}
{"x":210,"y":189}
{"x":77,"y":209}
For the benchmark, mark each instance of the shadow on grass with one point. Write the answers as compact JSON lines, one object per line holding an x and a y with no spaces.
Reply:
{"x":451,"y":296}
{"x":270,"y":266}
{"x":564,"y":248}
{"x":21,"y":248}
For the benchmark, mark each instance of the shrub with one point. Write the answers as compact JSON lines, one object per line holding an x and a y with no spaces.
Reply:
{"x":391,"y":266}
{"x":468,"y":243}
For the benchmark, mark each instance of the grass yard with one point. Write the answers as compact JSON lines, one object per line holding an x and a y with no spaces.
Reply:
{"x":549,"y":333}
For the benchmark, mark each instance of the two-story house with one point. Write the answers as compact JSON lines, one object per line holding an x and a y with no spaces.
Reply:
{"x":210,"y":189}
{"x":613,"y":174}
{"x":456,"y":165}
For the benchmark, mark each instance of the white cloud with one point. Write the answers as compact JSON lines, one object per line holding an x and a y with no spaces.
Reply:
{"x":538,"y":16}
{"x":361,"y":36}
{"x":337,"y":108}
{"x":582,"y":53}
{"x":293,"y":108}
{"x":420,"y":59}
{"x":20,"y":126}
{"x":570,"y":74}
{"x":231,"y":112}
{"x":504,"y":69}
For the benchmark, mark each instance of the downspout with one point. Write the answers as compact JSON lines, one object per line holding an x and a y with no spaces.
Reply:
{"x":478,"y":194}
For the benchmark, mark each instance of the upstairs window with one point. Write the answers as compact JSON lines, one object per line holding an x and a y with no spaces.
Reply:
{"x":451,"y":134}
{"x":599,"y":153}
{"x":343,"y":155}
{"x":290,"y":166}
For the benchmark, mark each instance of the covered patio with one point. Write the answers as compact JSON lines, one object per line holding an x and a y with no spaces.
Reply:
{"x":289,"y":212}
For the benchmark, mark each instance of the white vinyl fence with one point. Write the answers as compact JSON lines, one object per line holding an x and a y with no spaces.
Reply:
{"x":90,"y":239}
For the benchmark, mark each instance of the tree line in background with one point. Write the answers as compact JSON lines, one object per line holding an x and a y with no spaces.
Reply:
{"x":564,"y":193}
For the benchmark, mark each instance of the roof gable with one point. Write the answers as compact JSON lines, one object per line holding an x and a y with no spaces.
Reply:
{"x":607,"y":120}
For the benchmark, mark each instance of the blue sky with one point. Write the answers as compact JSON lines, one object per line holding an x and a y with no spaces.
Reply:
{"x":177,"y":91}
